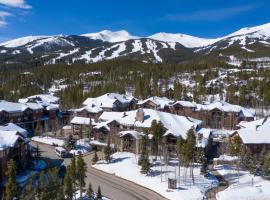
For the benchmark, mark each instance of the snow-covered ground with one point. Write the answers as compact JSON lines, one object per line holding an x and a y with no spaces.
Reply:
{"x":48,"y":140}
{"x":249,"y":187}
{"x":125,"y":166}
{"x":84,"y":196}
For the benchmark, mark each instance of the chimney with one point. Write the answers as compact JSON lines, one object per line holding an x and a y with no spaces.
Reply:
{"x":140,"y":115}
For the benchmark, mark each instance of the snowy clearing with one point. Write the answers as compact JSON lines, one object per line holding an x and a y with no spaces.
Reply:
{"x":125,"y":166}
{"x":249,"y":187}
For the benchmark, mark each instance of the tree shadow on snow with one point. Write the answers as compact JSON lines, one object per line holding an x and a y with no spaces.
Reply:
{"x":116,"y":160}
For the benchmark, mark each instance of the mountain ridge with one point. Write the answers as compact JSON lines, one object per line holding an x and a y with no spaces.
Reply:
{"x":160,"y":47}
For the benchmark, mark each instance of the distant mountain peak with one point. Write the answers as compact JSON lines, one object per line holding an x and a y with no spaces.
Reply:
{"x":111,"y":36}
{"x":186,"y":40}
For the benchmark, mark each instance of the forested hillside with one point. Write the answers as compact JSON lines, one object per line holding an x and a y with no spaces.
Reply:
{"x":198,"y":81}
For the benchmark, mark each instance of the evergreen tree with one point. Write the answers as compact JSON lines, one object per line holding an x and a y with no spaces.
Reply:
{"x":144,"y":157}
{"x":73,"y":172}
{"x":12,"y":189}
{"x":189,"y":151}
{"x":95,"y":158}
{"x":41,"y":185}
{"x":108,"y":152}
{"x":235,"y":146}
{"x":145,"y":169}
{"x":99,"y":194}
{"x":266,"y":167}
{"x":68,"y":185}
{"x":90,"y":191}
{"x":81,"y":173}
{"x":38,"y":153}
{"x":53,"y":186}
{"x":29,"y":191}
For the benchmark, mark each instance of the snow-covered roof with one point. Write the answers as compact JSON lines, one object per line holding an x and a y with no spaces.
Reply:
{"x":80,"y":120}
{"x":161,"y":102}
{"x":226,"y":107}
{"x":256,"y":134}
{"x":185,"y":104}
{"x":108,"y":100}
{"x":8,"y":139}
{"x":175,"y":124}
{"x":52,"y":107}
{"x":252,"y":124}
{"x":44,"y":100}
{"x":34,"y":106}
{"x":90,"y":108}
{"x":100,"y":125}
{"x":11,"y":107}
{"x":14,"y":127}
{"x":135,"y":134}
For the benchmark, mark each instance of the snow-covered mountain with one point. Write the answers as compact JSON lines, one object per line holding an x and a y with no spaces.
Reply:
{"x":186,"y":40}
{"x":160,"y":47}
{"x":110,"y":36}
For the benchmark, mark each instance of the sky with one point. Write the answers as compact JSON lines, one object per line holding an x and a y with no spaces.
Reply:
{"x":201,"y":18}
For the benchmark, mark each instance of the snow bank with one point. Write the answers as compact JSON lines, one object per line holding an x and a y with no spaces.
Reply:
{"x":125,"y":165}
{"x":48,"y":140}
{"x":247,"y":187}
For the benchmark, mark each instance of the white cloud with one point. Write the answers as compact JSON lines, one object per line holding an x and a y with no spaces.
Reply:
{"x":3,"y":16}
{"x":15,"y":3}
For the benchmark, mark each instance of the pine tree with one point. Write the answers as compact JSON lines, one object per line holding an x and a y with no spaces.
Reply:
{"x":144,"y":150}
{"x":145,"y":169}
{"x":95,"y":158}
{"x":99,"y":194}
{"x":12,"y":189}
{"x":68,"y":185}
{"x":266,"y":167}
{"x":28,"y":192}
{"x":73,"y":172}
{"x":235,"y":146}
{"x":53,"y":184}
{"x":90,"y":191}
{"x":189,"y":152}
{"x":41,"y":185}
{"x":108,"y":152}
{"x":38,"y":153}
{"x":81,"y":173}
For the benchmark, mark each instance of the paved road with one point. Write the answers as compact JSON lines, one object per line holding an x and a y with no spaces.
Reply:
{"x":111,"y":186}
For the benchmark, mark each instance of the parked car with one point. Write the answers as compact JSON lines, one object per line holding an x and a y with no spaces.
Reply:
{"x":61,"y":152}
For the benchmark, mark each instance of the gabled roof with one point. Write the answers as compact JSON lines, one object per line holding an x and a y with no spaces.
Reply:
{"x":44,"y":100}
{"x":11,"y":107}
{"x":8,"y":139}
{"x":108,"y":100}
{"x":175,"y":124}
{"x":256,"y":134}
{"x":14,"y":127}
{"x":185,"y":104}
{"x":81,"y":120}
{"x":90,"y":109}
{"x":135,"y":134}
{"x":160,"y":102}
{"x":226,"y":107}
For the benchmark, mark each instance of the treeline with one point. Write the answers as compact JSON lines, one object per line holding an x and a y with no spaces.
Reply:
{"x":51,"y":184}
{"x":143,"y":79}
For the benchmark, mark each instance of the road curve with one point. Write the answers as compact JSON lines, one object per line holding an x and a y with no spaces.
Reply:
{"x":119,"y":189}
{"x":111,"y":186}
